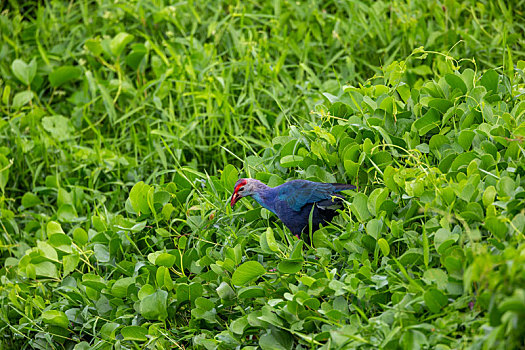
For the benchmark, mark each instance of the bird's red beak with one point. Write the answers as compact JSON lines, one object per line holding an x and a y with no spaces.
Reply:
{"x":234,"y":199}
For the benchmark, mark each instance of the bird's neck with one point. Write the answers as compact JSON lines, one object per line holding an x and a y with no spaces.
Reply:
{"x":264,"y":196}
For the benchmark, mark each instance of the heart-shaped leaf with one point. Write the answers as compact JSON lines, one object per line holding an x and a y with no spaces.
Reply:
{"x":247,"y":272}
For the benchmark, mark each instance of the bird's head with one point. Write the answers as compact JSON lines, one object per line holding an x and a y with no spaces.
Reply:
{"x":243,"y":188}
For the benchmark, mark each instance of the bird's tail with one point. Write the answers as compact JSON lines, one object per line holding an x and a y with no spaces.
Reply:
{"x":343,"y":187}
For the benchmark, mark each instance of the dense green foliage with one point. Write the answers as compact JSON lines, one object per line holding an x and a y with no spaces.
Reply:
{"x":125,"y":125}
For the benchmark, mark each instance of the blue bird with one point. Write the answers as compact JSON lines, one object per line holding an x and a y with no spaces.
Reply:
{"x":293,"y":201}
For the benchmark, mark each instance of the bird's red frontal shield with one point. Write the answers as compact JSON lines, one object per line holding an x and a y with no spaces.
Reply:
{"x":236,"y":196}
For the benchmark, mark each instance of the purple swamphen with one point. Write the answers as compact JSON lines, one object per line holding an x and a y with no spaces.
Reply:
{"x":293,"y":201}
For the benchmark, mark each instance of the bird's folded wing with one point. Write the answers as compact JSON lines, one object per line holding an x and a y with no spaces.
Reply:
{"x":297,"y":193}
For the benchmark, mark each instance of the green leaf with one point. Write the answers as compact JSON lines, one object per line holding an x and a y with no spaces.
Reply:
{"x":237,"y":326}
{"x":360,"y":207}
{"x":134,"y":333}
{"x":67,"y":213}
{"x":388,"y":178}
{"x":307,"y":280}
{"x":312,"y":303}
{"x":204,"y":304}
{"x":490,"y":80}
{"x":165,"y":259}
{"x":435,"y":300}
{"x":55,"y":318}
{"x":440,"y":104}
{"x":496,"y":226}
{"x":29,"y":200}
{"x":514,"y":303}
{"x":276,"y":340}
{"x":152,"y":257}
{"x":47,"y":250}
{"x":374,"y":228}
{"x":136,"y":56}
{"x":429,"y":121}
{"x":138,"y":198}
{"x":413,"y":339}
{"x":270,"y":240}
{"x":30,"y":271}
{"x":382,"y":159}
{"x":5,"y":95}
{"x":473,"y":211}
{"x":225,"y":292}
{"x":235,"y":253}
{"x":154,"y":306}
{"x":164,"y":278}
{"x":404,"y":91}
{"x":53,"y":227}
{"x":94,"y":46}
{"x":108,"y":330}
{"x":63,"y":75}
{"x":376,"y":200}
{"x":181,"y":244}
{"x":60,"y":240}
{"x":146,"y":290}
{"x":456,"y":82}
{"x":23,"y":71}
{"x":465,"y":139}
{"x":338,"y":287}
{"x":251,"y":292}
{"x":229,"y":176}
{"x":101,"y":253}
{"x":93,"y":281}
{"x":290,"y":148}
{"x":58,"y":126}
{"x":264,"y":243}
{"x":80,"y":236}
{"x":22,"y":98}
{"x":443,"y":239}
{"x":437,"y":276}
{"x":368,"y":102}
{"x":70,"y":263}
{"x":120,"y":288}
{"x":505,"y":187}
{"x":119,"y":42}
{"x":247,"y":272}
{"x":383,"y":245}
{"x":351,"y":168}
{"x":452,"y":264}
{"x":297,"y":251}
{"x":166,"y":213}
{"x":290,"y":266}
{"x":463,"y":160}
{"x":46,"y":269}
{"x":291,"y":161}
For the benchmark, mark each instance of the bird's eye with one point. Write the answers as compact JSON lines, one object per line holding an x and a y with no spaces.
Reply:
{"x":240,"y":189}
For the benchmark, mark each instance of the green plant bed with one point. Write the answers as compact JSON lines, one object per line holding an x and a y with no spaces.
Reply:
{"x":125,"y":124}
{"x":428,"y":252}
